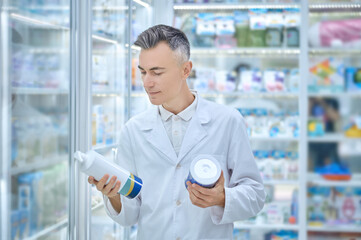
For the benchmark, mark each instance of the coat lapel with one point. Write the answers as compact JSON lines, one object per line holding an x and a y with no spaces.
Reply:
{"x":156,"y":135}
{"x":196,"y":130}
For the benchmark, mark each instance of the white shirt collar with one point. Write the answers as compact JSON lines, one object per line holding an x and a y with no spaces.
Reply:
{"x":186,"y":114}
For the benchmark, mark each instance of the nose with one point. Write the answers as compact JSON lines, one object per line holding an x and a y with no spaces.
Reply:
{"x":148,"y":81}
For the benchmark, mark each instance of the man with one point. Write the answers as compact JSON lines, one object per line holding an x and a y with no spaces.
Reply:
{"x":159,"y":145}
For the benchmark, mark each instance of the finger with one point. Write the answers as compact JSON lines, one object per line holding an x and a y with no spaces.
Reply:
{"x":202,"y":190}
{"x":92,"y":180}
{"x":115,"y":190}
{"x":102,"y":181}
{"x":197,"y":193}
{"x":196,"y":201}
{"x":107,"y":188}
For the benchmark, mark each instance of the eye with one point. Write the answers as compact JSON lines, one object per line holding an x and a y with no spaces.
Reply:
{"x":158,"y":74}
{"x":143,"y":73}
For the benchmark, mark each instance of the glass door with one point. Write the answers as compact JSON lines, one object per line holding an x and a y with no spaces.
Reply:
{"x":110,"y":71}
{"x":35,"y":88}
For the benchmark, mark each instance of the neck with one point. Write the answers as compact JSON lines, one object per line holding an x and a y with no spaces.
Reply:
{"x":180,"y":103}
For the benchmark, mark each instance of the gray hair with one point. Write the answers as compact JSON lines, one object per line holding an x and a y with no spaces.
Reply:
{"x":175,"y":38}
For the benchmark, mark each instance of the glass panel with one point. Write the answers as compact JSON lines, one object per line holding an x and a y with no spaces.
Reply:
{"x":110,"y":66}
{"x":39,"y":76}
{"x":141,"y":20}
{"x":334,"y":120}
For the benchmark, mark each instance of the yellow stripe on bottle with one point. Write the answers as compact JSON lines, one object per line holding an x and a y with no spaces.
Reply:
{"x":131,"y":184}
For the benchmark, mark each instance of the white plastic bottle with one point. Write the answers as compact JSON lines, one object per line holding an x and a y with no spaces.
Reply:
{"x":94,"y":164}
{"x":204,"y":171}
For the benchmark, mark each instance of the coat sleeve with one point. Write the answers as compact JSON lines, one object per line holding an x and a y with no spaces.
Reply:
{"x":244,"y":195}
{"x":129,"y":214}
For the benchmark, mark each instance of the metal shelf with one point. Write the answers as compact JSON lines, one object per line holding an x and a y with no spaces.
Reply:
{"x":104,"y":147}
{"x":236,"y":95}
{"x":54,"y":91}
{"x":97,"y":206}
{"x":38,"y":91}
{"x":262,"y":52}
{"x":249,"y":95}
{"x":277,"y":139}
{"x":110,"y":8}
{"x":336,"y":6}
{"x":231,"y":7}
{"x":240,"y":225}
{"x":49,"y":7}
{"x":337,"y":95}
{"x":336,"y":228}
{"x":331,"y":137}
{"x":316,"y":179}
{"x":44,"y":50}
{"x":49,"y":230}
{"x":281,"y":182}
{"x":107,"y":93}
{"x":335,"y":51}
{"x":40,"y":164}
{"x":37,"y":23}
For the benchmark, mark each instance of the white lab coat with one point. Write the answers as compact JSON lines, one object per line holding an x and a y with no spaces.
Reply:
{"x":163,"y":210}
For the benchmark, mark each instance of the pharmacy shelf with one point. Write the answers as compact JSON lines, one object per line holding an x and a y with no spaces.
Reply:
{"x":97,"y":206}
{"x":261,"y":52}
{"x":335,"y":6}
{"x":39,"y":164}
{"x":230,"y":7}
{"x":277,"y":139}
{"x":249,"y":95}
{"x":49,"y":230}
{"x":44,"y":50}
{"x":353,"y":52}
{"x":281,"y":182}
{"x":336,"y":95}
{"x":336,"y":228}
{"x":240,"y":225}
{"x":37,"y":23}
{"x":110,"y":8}
{"x":107,"y":93}
{"x":47,"y":7}
{"x":331,"y":137}
{"x":103,"y":147}
{"x":236,"y":95}
{"x":38,"y":91}
{"x":316,"y":179}
{"x":54,"y":91}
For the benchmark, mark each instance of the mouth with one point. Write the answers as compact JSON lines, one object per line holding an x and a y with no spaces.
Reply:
{"x":153,"y":93}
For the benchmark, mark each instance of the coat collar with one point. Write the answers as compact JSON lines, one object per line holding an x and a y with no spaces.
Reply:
{"x":153,"y":113}
{"x":157,"y":136}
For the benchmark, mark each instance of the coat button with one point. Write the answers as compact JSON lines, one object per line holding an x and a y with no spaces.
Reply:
{"x":178,"y":166}
{"x":178,"y":202}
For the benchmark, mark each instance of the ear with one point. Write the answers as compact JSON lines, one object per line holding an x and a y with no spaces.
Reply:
{"x":187,"y":69}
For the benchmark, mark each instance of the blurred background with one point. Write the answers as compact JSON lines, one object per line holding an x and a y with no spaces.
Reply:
{"x":291,"y":68}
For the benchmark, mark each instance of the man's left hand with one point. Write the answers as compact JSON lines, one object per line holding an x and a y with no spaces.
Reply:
{"x":207,"y":197}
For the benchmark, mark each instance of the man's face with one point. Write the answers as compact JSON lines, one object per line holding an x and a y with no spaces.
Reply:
{"x":163,"y":76}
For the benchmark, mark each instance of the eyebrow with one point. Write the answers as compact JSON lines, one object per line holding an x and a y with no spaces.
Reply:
{"x":153,"y":68}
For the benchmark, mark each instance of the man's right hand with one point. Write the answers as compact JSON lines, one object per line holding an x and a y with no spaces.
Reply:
{"x":110,"y":190}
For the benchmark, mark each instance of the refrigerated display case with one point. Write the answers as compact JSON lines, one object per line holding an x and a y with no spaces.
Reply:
{"x":35,"y":121}
{"x":65,"y":86}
